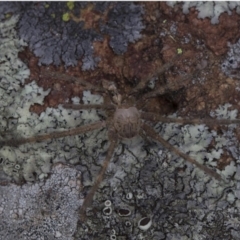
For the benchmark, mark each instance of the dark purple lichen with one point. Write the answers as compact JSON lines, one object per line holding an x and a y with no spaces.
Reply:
{"x":54,"y":40}
{"x":11,"y":8}
{"x":124,"y":25}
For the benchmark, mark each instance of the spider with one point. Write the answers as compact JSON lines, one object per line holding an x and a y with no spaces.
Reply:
{"x":126,"y":120}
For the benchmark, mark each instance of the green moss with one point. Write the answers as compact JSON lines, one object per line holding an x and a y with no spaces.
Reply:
{"x":53,"y":15}
{"x":70,"y":5}
{"x":46,"y":5}
{"x":66,"y":17}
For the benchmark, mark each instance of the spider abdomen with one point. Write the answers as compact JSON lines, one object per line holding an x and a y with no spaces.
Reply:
{"x":127,"y":122}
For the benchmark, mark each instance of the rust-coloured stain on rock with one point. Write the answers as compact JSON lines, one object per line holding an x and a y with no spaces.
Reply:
{"x":215,"y":37}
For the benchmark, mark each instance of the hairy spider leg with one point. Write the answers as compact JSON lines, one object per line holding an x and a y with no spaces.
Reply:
{"x":149,"y":116}
{"x":142,"y":84}
{"x":53,"y":135}
{"x":113,"y":142}
{"x":76,"y":80}
{"x":163,"y":89}
{"x":167,"y":145}
{"x":88,"y":199}
{"x":208,"y":121}
{"x":88,"y":106}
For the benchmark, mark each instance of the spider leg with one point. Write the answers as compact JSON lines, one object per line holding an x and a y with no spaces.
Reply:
{"x":208,"y":121}
{"x":88,"y":200}
{"x":161,"y":90}
{"x":53,"y":135}
{"x":160,"y":71}
{"x":88,"y":106}
{"x":76,"y":80}
{"x":167,"y":145}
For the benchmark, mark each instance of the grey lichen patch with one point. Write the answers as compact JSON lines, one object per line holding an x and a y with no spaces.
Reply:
{"x":166,"y":197}
{"x":228,"y":140}
{"x":11,"y":68}
{"x":21,"y":123}
{"x":43,"y":210}
{"x":35,"y":160}
{"x":230,"y":65}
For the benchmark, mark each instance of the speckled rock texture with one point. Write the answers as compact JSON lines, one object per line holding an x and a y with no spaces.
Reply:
{"x":43,"y":210}
{"x":148,"y":192}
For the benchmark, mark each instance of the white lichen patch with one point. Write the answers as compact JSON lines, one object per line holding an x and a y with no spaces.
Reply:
{"x":12,"y":70}
{"x":43,"y":209}
{"x":223,"y":113}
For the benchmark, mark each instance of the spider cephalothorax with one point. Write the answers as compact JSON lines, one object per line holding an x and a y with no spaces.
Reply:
{"x":127,"y":122}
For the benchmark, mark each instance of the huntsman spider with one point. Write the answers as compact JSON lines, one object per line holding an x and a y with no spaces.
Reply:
{"x":126,"y":120}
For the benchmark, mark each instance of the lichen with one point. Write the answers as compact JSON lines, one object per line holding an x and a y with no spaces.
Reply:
{"x":144,"y":180}
{"x":70,"y":5}
{"x":230,"y":65}
{"x":42,"y":211}
{"x":7,"y":9}
{"x":210,"y":9}
{"x":124,"y":25}
{"x":66,"y":17}
{"x":56,"y":39}
{"x":165,"y":188}
{"x":55,"y":36}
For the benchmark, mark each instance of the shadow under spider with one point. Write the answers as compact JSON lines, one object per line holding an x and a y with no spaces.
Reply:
{"x":126,"y":120}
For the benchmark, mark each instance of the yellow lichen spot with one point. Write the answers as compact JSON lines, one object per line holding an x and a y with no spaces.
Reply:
{"x":179,"y":51}
{"x":70,"y":5}
{"x":66,"y":17}
{"x":53,"y":15}
{"x":46,"y":5}
{"x":8,"y":15}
